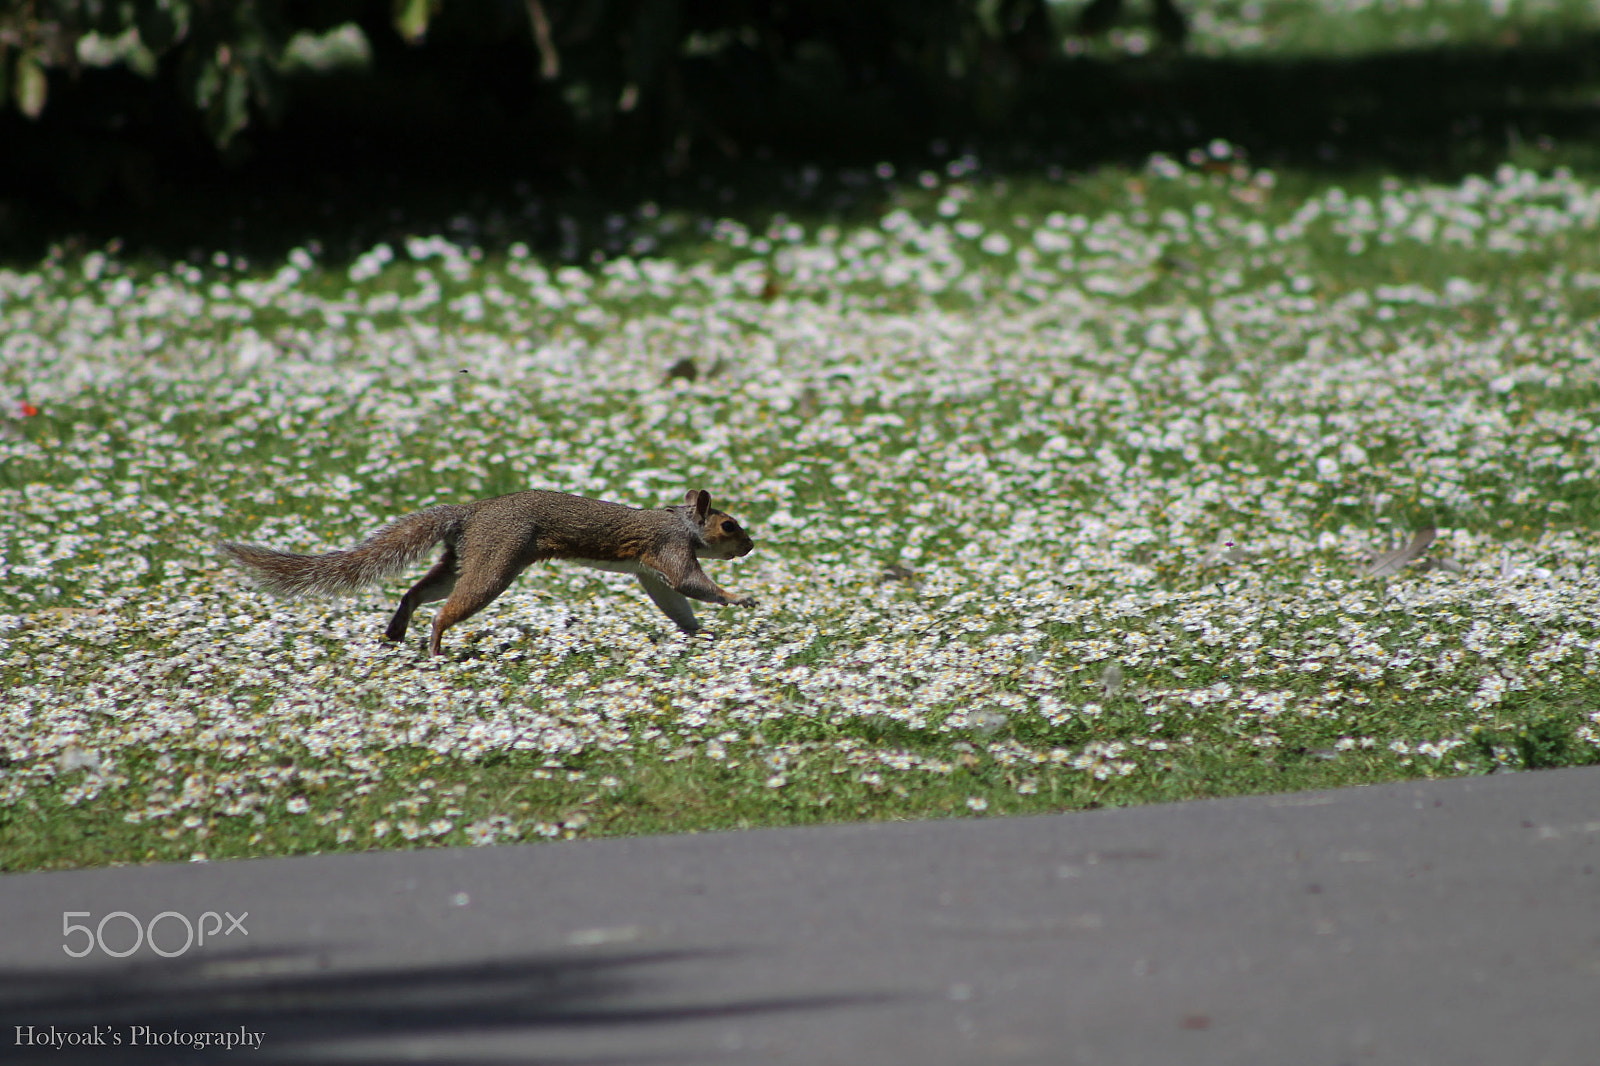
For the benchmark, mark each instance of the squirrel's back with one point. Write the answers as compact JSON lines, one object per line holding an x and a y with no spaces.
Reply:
{"x":557,"y":525}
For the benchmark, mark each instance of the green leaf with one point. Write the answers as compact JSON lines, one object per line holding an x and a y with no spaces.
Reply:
{"x":32,"y":87}
{"x":231,"y":111}
{"x":207,"y":84}
{"x":222,"y":91}
{"x":411,"y":18}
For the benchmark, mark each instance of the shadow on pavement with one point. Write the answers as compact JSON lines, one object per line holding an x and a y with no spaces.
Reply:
{"x":305,"y":1013}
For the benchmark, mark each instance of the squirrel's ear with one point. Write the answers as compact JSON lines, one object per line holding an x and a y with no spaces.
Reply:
{"x":700,"y":500}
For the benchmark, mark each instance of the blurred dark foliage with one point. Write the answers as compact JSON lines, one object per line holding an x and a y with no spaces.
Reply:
{"x":606,"y":80}
{"x":129,"y":106}
{"x":221,"y":123}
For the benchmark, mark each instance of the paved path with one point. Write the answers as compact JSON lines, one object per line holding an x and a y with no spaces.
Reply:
{"x":1452,"y":922}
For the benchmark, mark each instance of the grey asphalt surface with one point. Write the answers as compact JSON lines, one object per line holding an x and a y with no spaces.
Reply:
{"x":1453,"y":922}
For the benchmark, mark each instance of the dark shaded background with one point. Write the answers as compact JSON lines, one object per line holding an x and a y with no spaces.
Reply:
{"x":462,"y":132}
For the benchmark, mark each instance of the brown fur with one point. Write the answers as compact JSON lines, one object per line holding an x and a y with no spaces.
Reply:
{"x":489,"y":542}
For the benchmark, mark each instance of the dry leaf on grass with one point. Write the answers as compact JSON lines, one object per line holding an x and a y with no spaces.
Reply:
{"x":1392,"y":562}
{"x":896,"y":572}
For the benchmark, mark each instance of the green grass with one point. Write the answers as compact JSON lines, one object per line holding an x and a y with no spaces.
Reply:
{"x":1075,"y":522}
{"x":654,"y":795}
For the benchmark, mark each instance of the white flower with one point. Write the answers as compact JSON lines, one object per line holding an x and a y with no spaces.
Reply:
{"x":995,"y":244}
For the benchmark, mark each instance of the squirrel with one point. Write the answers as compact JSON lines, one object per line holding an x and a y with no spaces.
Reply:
{"x":487,"y":543}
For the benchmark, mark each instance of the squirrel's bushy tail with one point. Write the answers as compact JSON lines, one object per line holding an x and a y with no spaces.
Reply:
{"x":392,"y":549}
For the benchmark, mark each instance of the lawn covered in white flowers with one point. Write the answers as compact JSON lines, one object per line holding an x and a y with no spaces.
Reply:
{"x":1062,"y":494}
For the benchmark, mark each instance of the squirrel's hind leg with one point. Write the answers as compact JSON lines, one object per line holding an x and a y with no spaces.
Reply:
{"x":436,"y":584}
{"x":479,"y":581}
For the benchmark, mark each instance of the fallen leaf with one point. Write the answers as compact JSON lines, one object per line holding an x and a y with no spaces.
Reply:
{"x":1392,"y":562}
